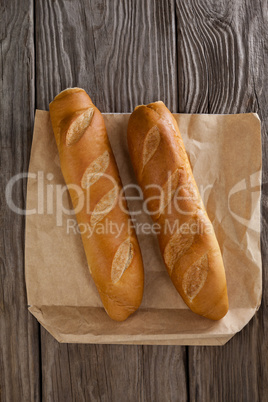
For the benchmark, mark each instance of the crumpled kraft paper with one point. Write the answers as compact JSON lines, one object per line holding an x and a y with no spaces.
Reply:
{"x":225,"y":154}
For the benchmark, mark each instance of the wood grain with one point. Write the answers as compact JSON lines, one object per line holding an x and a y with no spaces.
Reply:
{"x":19,"y":331}
{"x":222,"y":60}
{"x":123,"y":53}
{"x":111,"y":372}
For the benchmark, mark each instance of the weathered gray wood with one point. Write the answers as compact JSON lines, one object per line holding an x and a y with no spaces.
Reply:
{"x":222,"y":68}
{"x":123,"y":53}
{"x":112,"y":372}
{"x":19,"y":331}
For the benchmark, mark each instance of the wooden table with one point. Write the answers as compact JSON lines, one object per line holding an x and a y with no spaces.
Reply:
{"x":198,"y":57}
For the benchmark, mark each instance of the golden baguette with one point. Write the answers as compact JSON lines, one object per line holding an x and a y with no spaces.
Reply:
{"x":91,"y":174}
{"x":191,"y":252}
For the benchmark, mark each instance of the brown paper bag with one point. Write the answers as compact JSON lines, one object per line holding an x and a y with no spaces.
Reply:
{"x":225,"y":154}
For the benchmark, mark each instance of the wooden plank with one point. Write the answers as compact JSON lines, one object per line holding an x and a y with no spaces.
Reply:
{"x":112,"y":372}
{"x":123,"y":53}
{"x":222,"y":68}
{"x":19,"y":331}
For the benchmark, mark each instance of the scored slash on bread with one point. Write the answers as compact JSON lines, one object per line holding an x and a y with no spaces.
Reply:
{"x":195,"y":277}
{"x":151,"y":143}
{"x":122,"y":260}
{"x":178,"y":245}
{"x":79,"y":126}
{"x":193,"y":260}
{"x":95,"y":170}
{"x":104,"y":206}
{"x":168,"y":191}
{"x":87,"y":162}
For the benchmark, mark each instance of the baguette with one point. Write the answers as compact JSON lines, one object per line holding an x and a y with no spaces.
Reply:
{"x":187,"y":240}
{"x":90,"y":172}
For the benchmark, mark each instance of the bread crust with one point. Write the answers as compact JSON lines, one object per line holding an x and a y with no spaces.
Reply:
{"x":90,"y":171}
{"x":192,"y":256}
